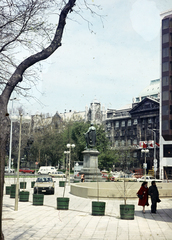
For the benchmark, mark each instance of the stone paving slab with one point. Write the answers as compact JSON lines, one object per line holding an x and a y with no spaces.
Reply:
{"x":47,"y":223}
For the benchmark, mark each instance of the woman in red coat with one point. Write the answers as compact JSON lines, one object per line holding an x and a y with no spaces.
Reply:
{"x":143,"y":191}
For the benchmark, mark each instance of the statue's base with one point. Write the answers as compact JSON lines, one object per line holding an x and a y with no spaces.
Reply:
{"x":90,"y":166}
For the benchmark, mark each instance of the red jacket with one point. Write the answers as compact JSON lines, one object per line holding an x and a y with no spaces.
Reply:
{"x":144,"y":201}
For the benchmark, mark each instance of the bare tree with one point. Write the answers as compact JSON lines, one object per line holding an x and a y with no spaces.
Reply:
{"x":24,"y":23}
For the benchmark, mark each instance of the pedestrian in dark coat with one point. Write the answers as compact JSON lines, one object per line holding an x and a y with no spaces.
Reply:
{"x":154,"y":194}
{"x":143,"y":191}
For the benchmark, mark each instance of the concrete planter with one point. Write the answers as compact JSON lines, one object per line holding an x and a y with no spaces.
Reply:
{"x":8,"y":189}
{"x":127,"y":211}
{"x":38,"y":199}
{"x":98,"y":208}
{"x":32,"y":184}
{"x":62,"y":203}
{"x":13,"y":191}
{"x":23,"y":185}
{"x":23,"y":196}
{"x":61,"y":183}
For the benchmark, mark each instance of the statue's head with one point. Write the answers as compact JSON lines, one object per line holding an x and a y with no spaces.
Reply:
{"x":91,"y":124}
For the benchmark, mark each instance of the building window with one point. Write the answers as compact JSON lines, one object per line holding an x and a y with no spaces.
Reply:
{"x":122,"y":143}
{"x":143,"y":121}
{"x":165,"y":67}
{"x":123,"y":124}
{"x":129,"y":123}
{"x":135,"y":154}
{"x":165,"y":95}
{"x":167,"y":150}
{"x":116,"y":124}
{"x":135,"y":142}
{"x":129,"y":142}
{"x":165,"y":110}
{"x":150,"y":120}
{"x":165,"y":125}
{"x":165,"y":81}
{"x":165,"y":52}
{"x":165,"y":38}
{"x":170,"y":124}
{"x":116,"y":143}
{"x":165,"y":23}
{"x":135,"y":122}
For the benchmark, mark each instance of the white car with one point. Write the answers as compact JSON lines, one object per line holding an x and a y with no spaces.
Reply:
{"x":44,"y":184}
{"x":57,"y":174}
{"x":6,"y":170}
{"x":148,"y":179}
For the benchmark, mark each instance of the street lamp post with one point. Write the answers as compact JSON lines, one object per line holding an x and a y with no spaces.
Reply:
{"x":70,"y":146}
{"x":18,"y":163}
{"x":13,"y":118}
{"x":155,"y":160}
{"x":66,"y":153}
{"x":145,"y":164}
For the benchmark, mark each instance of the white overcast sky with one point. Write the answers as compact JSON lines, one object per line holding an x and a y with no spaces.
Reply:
{"x":112,"y":64}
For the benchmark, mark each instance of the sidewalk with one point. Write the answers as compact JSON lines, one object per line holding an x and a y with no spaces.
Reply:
{"x":77,"y":223}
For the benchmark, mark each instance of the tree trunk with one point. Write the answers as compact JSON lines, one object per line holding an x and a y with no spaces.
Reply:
{"x":12,"y":83}
{"x":4,"y":133}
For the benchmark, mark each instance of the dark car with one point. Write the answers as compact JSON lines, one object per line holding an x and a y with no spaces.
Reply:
{"x":26,"y":170}
{"x":44,"y":184}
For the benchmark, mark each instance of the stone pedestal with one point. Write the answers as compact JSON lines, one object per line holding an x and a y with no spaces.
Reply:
{"x":90,"y":166}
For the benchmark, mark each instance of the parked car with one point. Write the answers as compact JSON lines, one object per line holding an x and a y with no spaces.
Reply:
{"x":26,"y":170}
{"x":148,"y":179}
{"x":57,"y":174}
{"x":44,"y":184}
{"x":11,"y":170}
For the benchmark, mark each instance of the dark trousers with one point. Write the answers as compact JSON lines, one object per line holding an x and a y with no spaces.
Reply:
{"x":153,"y":206}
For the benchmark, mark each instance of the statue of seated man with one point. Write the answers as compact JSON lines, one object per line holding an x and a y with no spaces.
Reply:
{"x":90,"y":137}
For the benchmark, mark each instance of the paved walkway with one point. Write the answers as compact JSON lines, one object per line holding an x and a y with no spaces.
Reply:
{"x":77,"y":223}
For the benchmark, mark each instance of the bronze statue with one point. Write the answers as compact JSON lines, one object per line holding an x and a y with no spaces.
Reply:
{"x":90,"y":137}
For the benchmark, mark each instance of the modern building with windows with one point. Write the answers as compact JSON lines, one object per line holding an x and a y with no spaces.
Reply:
{"x":166,"y":96}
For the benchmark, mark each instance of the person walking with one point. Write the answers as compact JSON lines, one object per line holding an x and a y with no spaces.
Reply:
{"x":82,"y":178}
{"x":143,"y":196}
{"x":154,"y":194}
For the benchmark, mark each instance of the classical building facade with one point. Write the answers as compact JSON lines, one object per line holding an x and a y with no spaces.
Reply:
{"x":134,"y":126}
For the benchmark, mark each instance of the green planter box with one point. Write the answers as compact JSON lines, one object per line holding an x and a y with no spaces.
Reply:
{"x":98,"y":208}
{"x":22,"y":185}
{"x":62,"y":203}
{"x":23,"y":196}
{"x":76,"y":181}
{"x":13,"y":191}
{"x":61,"y":183}
{"x":38,"y":199}
{"x":127,"y":211}
{"x":8,"y":189}
{"x":32,"y":184}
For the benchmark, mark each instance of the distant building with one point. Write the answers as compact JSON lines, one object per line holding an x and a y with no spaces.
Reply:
{"x":95,"y":113}
{"x":127,"y":128}
{"x":153,"y":90}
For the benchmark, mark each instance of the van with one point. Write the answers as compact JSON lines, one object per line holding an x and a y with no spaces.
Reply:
{"x":46,"y":170}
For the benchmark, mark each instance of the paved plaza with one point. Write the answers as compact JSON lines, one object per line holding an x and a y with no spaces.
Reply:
{"x":47,"y":223}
